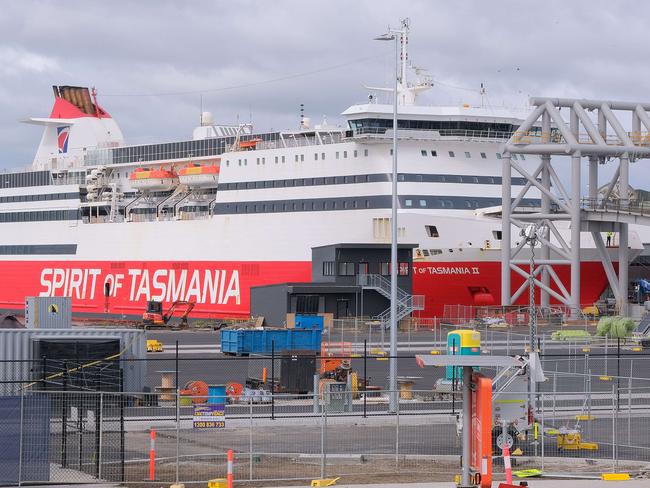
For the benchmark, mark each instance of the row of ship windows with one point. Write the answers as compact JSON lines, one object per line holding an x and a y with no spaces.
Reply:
{"x":39,"y":198}
{"x":39,"y":216}
{"x":24,"y":179}
{"x":22,"y":249}
{"x":352,"y":269}
{"x":368,"y":202}
{"x":367,"y":178}
{"x":300,"y":158}
{"x":468,"y":155}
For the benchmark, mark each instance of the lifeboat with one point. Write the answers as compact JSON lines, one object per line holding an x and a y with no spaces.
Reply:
{"x":147,"y":179}
{"x":249,"y":145}
{"x":199,"y":176}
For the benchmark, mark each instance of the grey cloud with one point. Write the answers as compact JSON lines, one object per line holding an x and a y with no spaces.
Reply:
{"x":517,"y":48}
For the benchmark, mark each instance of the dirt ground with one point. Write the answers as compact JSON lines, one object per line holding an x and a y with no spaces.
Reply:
{"x":298,"y":472}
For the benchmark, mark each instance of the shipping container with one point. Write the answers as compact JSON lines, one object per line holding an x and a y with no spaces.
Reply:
{"x":262,"y":341}
{"x":21,"y":361}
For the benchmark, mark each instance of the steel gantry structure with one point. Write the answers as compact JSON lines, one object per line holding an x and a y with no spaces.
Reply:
{"x":601,"y":138}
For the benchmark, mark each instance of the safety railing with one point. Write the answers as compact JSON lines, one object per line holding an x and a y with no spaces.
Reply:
{"x":616,"y":205}
{"x":381,"y":284}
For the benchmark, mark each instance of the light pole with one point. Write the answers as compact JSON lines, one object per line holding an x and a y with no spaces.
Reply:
{"x":531,"y":233}
{"x":396,"y":36}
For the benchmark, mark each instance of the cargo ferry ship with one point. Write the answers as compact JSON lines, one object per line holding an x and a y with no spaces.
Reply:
{"x":114,"y":225}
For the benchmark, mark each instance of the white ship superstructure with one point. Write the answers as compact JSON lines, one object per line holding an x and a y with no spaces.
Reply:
{"x":204,"y":219}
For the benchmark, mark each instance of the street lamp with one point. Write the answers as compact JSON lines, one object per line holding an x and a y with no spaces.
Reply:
{"x":531,"y":234}
{"x":396,"y":36}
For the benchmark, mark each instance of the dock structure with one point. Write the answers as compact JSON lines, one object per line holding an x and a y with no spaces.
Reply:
{"x":603,"y":210}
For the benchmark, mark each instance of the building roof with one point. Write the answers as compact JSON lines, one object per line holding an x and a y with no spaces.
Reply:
{"x":298,"y":287}
{"x":367,"y":245}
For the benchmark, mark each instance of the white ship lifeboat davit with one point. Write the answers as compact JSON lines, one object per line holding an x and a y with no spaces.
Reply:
{"x":199,"y":176}
{"x":147,"y":179}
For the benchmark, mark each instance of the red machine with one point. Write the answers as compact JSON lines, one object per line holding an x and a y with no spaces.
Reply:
{"x":155,"y":316}
{"x":481,"y":437}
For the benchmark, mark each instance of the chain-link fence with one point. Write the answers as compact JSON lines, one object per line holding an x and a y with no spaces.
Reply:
{"x":86,"y":437}
{"x":71,"y":421}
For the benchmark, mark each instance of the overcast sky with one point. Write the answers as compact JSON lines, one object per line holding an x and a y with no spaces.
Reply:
{"x":293,"y":52}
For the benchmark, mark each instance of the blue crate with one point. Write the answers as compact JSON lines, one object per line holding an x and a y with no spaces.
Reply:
{"x":309,"y":322}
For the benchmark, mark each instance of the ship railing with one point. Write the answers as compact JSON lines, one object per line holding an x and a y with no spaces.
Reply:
{"x":461,"y":134}
{"x":193,"y":215}
{"x":102,"y":219}
{"x":290,"y":140}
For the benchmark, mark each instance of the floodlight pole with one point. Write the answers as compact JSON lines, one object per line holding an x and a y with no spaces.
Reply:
{"x":396,"y":36}
{"x":532,"y":312}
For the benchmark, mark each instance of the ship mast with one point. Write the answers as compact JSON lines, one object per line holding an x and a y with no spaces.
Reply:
{"x":406,"y":93}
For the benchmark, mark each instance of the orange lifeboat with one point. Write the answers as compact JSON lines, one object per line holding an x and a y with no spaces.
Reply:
{"x":249,"y":145}
{"x":148,"y":179}
{"x":196,"y":175}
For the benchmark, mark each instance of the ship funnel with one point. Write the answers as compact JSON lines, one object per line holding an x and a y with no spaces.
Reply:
{"x":79,"y":96}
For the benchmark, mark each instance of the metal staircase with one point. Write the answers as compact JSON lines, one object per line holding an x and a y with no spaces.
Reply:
{"x":406,"y":303}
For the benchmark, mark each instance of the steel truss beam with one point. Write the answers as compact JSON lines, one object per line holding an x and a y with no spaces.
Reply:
{"x":580,"y":137}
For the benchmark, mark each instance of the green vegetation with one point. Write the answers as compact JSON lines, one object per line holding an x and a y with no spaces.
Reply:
{"x":617,"y":327}
{"x":570,"y":335}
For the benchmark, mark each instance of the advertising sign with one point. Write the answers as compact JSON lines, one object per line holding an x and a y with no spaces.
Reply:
{"x":209,"y":416}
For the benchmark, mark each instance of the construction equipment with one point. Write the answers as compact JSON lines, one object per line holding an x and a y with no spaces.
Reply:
{"x":336,"y":360}
{"x":155,"y":316}
{"x":154,"y":345}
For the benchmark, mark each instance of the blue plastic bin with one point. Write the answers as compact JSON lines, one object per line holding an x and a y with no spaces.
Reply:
{"x":216,"y":394}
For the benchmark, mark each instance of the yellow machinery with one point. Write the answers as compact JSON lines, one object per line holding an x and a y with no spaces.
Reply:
{"x":154,"y":345}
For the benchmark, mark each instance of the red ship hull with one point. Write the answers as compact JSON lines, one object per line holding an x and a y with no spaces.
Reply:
{"x":222,"y":289}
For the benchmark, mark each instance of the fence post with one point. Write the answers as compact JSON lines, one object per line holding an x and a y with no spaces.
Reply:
{"x":614,"y":453}
{"x":618,"y":373}
{"x":606,"y":354}
{"x":272,"y":380}
{"x":589,"y":424}
{"x":250,"y":438}
{"x":542,"y":433}
{"x":397,"y":434}
{"x":629,"y":410}
{"x":178,"y":433}
{"x":122,"y":443}
{"x":98,"y":434}
{"x":176,"y":360}
{"x":365,"y":378}
{"x":64,"y":418}
{"x":100,"y":426}
{"x":323,"y":433}
{"x":20,"y":439}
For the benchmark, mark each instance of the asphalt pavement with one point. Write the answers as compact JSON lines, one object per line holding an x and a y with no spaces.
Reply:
{"x":566,"y":365}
